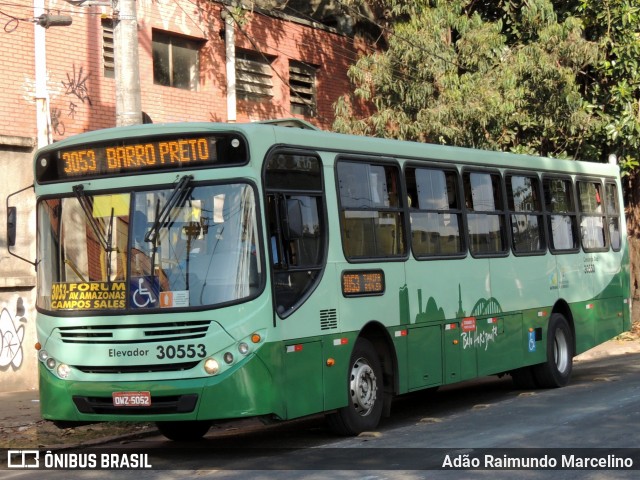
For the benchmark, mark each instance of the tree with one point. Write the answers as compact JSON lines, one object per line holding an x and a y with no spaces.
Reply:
{"x":550,"y":77}
{"x":615,"y":26}
{"x":455,"y":74}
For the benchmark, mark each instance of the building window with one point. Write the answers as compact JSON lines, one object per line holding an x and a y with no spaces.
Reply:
{"x":175,"y":61}
{"x":108,"y":57}
{"x":302,"y":88}
{"x":253,"y":76}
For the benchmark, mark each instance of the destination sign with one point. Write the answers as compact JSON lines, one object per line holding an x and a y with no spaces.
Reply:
{"x":88,"y":296}
{"x":149,"y":154}
{"x":363,"y":282}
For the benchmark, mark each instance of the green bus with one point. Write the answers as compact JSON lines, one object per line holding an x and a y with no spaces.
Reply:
{"x":190,"y":273}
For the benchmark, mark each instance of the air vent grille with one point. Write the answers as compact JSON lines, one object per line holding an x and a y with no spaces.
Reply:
{"x":328,"y":319}
{"x":143,"y":333}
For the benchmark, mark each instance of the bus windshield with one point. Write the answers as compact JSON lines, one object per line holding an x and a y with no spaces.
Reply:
{"x":169,"y":248}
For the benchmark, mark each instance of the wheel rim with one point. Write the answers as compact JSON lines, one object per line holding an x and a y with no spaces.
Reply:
{"x":561,"y":351}
{"x":363,"y":387}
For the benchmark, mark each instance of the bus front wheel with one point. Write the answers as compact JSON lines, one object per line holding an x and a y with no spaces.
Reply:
{"x":184,"y":431}
{"x":365,"y":391}
{"x":556,"y":371}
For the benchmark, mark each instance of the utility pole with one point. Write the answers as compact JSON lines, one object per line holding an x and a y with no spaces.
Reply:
{"x":43,"y":118}
{"x":127,"y":68}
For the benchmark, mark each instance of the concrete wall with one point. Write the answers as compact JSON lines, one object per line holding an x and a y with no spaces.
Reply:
{"x":17,"y":277}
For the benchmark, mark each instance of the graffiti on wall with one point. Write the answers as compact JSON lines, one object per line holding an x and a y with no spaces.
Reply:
{"x":76,"y":86}
{"x":56,"y":123}
{"x":76,"y":89}
{"x":11,"y":337}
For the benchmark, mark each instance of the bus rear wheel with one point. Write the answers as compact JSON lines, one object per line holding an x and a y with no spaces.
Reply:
{"x":184,"y":431}
{"x":365,"y":391}
{"x":556,"y":371}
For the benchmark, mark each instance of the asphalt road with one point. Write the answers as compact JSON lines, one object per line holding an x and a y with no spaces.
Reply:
{"x":428,"y":434}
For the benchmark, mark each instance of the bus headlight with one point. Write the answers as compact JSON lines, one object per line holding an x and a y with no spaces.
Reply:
{"x":43,"y":355}
{"x":63,"y":370}
{"x":211,"y":366}
{"x":243,"y":348}
{"x":51,"y":363}
{"x":228,"y":358}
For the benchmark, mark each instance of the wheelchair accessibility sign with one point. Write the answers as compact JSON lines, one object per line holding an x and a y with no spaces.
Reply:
{"x":532,"y":341}
{"x":144,"y":292}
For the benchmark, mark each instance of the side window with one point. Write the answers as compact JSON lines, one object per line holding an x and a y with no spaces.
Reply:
{"x":613,"y":214}
{"x":436,"y":214}
{"x":296,"y":226}
{"x":561,"y":214}
{"x":592,"y":220}
{"x":371,"y":212}
{"x":525,"y":214}
{"x":485,"y":216}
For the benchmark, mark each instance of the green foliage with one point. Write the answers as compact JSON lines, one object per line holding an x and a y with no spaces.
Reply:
{"x":615,"y":85}
{"x":455,"y":73}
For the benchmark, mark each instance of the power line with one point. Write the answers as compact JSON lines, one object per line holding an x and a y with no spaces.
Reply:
{"x":197,"y":24}
{"x":257,"y":49}
{"x":13,"y":22}
{"x":400,"y":37}
{"x":353,"y":58}
{"x":45,"y":20}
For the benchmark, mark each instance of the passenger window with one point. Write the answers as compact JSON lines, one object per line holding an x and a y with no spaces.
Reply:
{"x":592,"y":219}
{"x":525,"y":214}
{"x":561,"y":214}
{"x":371,"y":213}
{"x":613,"y":214}
{"x":436,"y":216}
{"x":485,"y":216}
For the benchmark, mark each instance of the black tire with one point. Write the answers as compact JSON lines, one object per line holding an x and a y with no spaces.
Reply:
{"x":556,"y":371}
{"x":184,"y":431}
{"x":365,"y":390}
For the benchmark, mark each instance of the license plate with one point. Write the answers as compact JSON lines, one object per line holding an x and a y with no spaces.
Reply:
{"x":131,"y":399}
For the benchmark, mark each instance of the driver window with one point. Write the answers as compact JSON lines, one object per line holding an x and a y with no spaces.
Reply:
{"x":295,"y":230}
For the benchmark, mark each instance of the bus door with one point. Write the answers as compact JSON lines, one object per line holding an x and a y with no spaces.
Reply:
{"x":296,"y":241}
{"x":600,"y":233}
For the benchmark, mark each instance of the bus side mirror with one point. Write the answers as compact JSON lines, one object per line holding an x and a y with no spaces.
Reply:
{"x":11,"y":226}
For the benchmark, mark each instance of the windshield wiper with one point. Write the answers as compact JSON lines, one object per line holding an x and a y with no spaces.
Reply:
{"x":162,"y":216}
{"x":105,"y":242}
{"x":181,"y":191}
{"x":109,"y":249}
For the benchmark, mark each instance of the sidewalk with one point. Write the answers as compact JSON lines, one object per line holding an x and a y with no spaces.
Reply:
{"x":22,"y":427}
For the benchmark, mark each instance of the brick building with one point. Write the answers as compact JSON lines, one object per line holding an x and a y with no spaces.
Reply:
{"x":284,"y":67}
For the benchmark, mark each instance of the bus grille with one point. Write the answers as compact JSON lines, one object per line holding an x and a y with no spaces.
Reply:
{"x":169,"y":367}
{"x":159,"y":405}
{"x":143,"y":333}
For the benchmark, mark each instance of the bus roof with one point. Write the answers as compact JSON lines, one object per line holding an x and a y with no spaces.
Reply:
{"x":297,"y":133}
